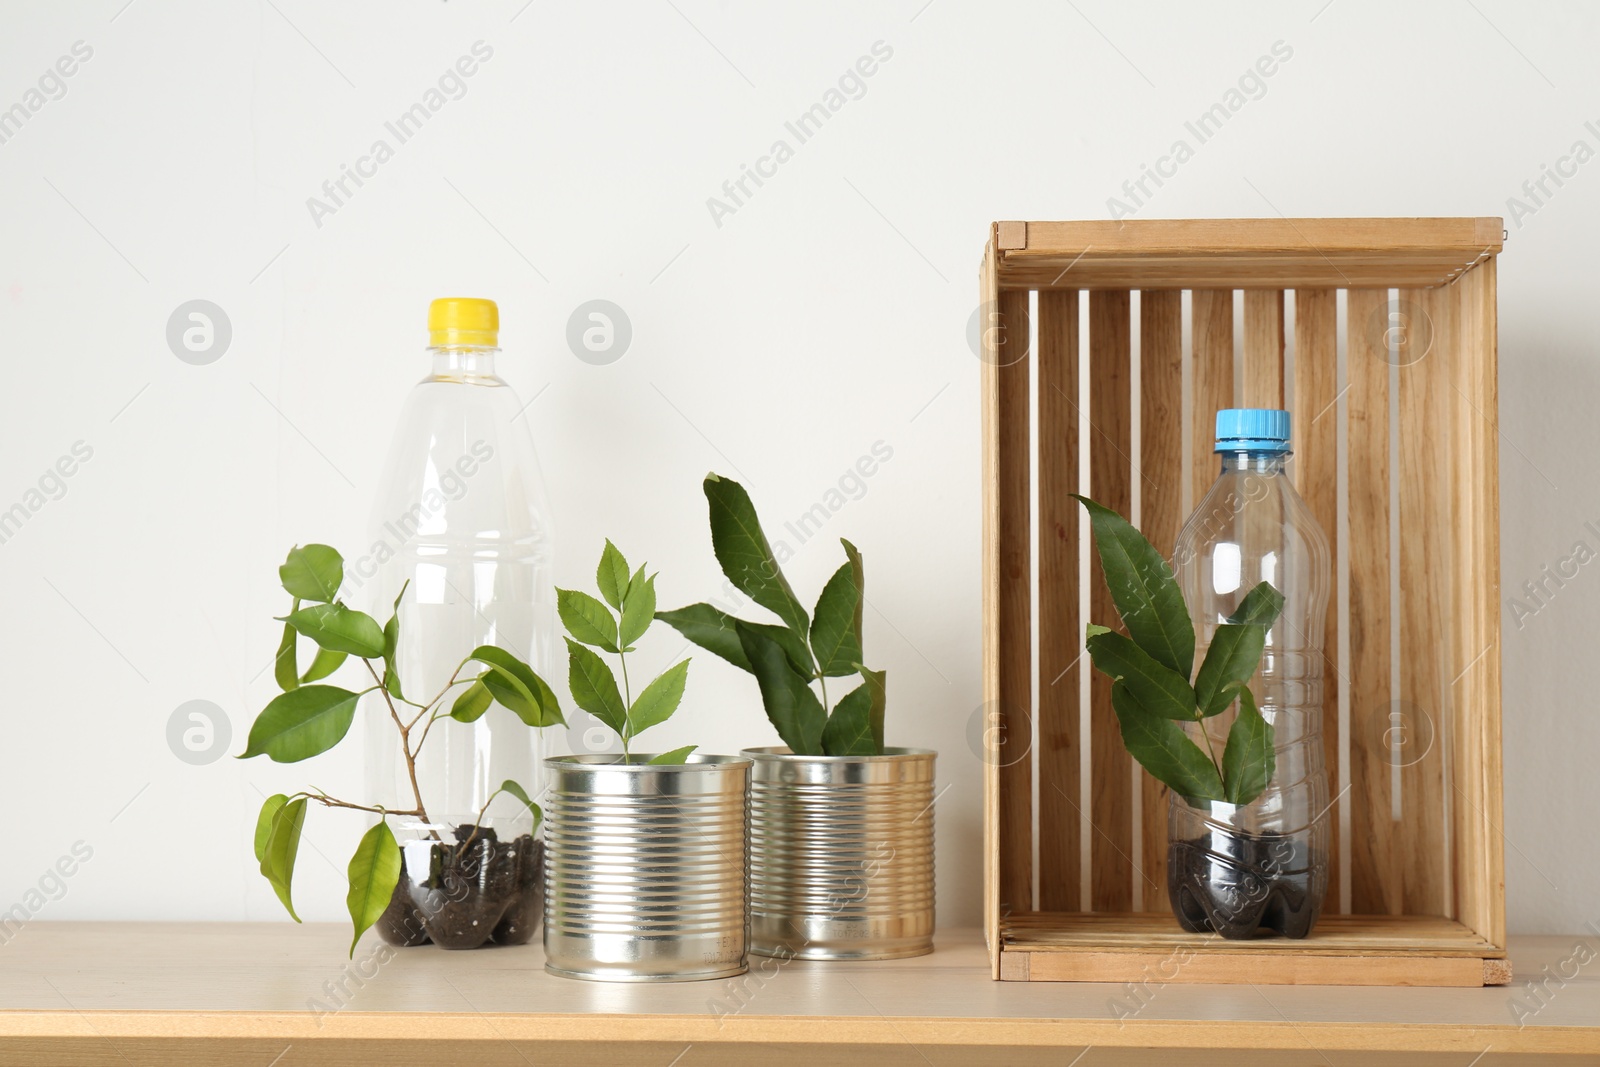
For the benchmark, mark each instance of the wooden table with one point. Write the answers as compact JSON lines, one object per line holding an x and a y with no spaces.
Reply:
{"x":278,"y":995}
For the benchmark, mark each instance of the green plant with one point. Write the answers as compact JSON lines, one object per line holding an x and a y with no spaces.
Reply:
{"x":1151,"y":667}
{"x":308,"y":718}
{"x":615,"y":629}
{"x":787,"y":658}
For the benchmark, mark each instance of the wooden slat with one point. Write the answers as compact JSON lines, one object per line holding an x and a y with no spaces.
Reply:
{"x":1160,"y":514}
{"x":1263,"y":348}
{"x":1375,"y":864}
{"x":1349,"y":934}
{"x":1015,"y":622}
{"x":1211,"y":338}
{"x":1060,"y":632}
{"x":1255,"y":969}
{"x":1249,"y":253}
{"x":1315,"y":430}
{"x":1110,"y":481}
{"x":989,"y":304}
{"x":1425,"y":332}
{"x":1476,"y":769}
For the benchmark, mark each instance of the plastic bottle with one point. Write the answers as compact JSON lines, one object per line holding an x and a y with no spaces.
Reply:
{"x":1261,"y":868}
{"x":461,"y":516}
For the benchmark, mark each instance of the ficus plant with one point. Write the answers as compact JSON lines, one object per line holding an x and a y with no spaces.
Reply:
{"x":615,"y":626}
{"x":310,"y":717}
{"x":1155,"y":687}
{"x":801,"y":649}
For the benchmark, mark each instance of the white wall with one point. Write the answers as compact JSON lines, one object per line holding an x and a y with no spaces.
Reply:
{"x":829,"y":312}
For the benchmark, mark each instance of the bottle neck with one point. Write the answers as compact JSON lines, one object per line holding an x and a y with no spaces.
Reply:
{"x":1254,"y":462}
{"x":464,"y":363}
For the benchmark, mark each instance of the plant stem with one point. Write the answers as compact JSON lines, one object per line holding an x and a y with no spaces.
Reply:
{"x":627,"y":702}
{"x":333,"y":802}
{"x":453,"y":676}
{"x":405,"y":749}
{"x":477,"y":824}
{"x":1205,"y":733}
{"x":824,"y":683}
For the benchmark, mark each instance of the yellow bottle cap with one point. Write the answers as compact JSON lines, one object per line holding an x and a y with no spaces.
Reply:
{"x":463,"y":320}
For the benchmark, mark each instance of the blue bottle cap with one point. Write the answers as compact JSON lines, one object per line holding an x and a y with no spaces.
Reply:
{"x":1252,"y":430}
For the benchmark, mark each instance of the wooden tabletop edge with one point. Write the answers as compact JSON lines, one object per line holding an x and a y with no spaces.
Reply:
{"x":810,"y":1030}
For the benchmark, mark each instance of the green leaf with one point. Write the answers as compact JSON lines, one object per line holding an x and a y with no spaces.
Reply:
{"x":878,"y":683}
{"x":659,"y":699}
{"x":1231,"y":661}
{"x":745,"y":556}
{"x":1144,"y":590}
{"x":716,"y":631}
{"x":516,"y":686}
{"x":1094,"y":628}
{"x":791,"y":705}
{"x":594,"y":687}
{"x":677,"y":755}
{"x":612,"y":575}
{"x":285,"y":669}
{"x":324,"y":664}
{"x":302,"y":723}
{"x":587,"y":619}
{"x":391,"y":642}
{"x":834,"y":641}
{"x":638,"y":610}
{"x":849,"y":728}
{"x":472,"y":703}
{"x":710,"y":628}
{"x":339,"y":629}
{"x":1155,"y":687}
{"x":269,"y":810}
{"x":1163,"y":749}
{"x":1260,"y":605}
{"x":860,"y":573}
{"x":508,"y":786}
{"x":1248,"y":761}
{"x":374,"y":872}
{"x":312,"y":572}
{"x":281,"y":850}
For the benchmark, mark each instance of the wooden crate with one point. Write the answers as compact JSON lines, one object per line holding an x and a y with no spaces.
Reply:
{"x":1107,"y":349}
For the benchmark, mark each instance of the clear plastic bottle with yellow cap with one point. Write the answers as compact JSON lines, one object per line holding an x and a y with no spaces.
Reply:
{"x":462,"y":517}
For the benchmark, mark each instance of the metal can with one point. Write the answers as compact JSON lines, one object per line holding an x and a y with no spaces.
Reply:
{"x":842,"y":855}
{"x":647,"y":868}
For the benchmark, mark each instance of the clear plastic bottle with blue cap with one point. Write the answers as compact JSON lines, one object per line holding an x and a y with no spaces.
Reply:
{"x":1258,"y":869}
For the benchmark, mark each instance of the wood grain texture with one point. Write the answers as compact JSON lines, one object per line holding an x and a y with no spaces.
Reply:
{"x":1263,"y":348}
{"x":1476,"y":783}
{"x":1256,"y":969}
{"x":218,"y":993}
{"x":1211,"y":341}
{"x":1015,"y":620}
{"x":1351,"y":935}
{"x":1376,"y":864}
{"x":1011,"y":235}
{"x":1060,"y":631}
{"x":1396,"y":869}
{"x":989,"y":417}
{"x":1315,"y":426}
{"x":1161,"y":477}
{"x":1426,"y":344}
{"x":1111,"y":484}
{"x":1250,"y":253}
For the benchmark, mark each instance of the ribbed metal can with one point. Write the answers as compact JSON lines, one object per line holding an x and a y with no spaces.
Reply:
{"x":842,"y":854}
{"x":647,"y":868}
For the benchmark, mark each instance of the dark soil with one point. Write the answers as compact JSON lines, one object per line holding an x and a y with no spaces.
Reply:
{"x":471,"y":893}
{"x":1245,"y":886}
